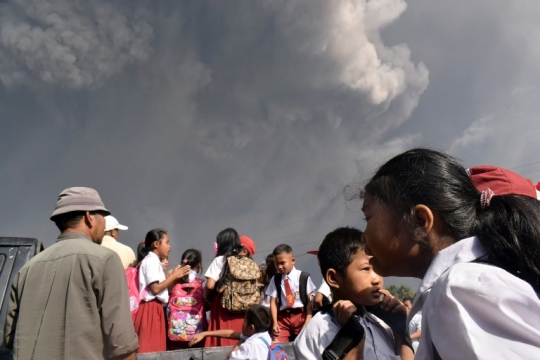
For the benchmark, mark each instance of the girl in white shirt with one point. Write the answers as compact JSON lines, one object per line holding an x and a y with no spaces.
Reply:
{"x":227,"y":241}
{"x":473,"y":237}
{"x":149,"y":321}
{"x":254,"y":338}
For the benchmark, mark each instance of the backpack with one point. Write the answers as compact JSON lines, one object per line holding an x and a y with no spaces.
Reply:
{"x":187,"y":316}
{"x":132,"y":276}
{"x":304,"y":276}
{"x":242,"y":289}
{"x":275,"y":351}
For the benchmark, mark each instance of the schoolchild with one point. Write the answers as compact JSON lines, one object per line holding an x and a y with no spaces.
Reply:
{"x":254,"y":337}
{"x":354,"y":285}
{"x":227,"y":242}
{"x":473,"y":239}
{"x":289,"y":301}
{"x":267,"y":273}
{"x":187,"y":304}
{"x":149,"y":321}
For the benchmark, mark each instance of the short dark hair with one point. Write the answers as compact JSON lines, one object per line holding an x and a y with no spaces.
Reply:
{"x":337,"y":249}
{"x":71,"y":219}
{"x":282,"y":248}
{"x":408,"y":299}
{"x":259,"y":316}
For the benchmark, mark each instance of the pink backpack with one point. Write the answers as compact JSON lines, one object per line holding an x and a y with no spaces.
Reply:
{"x":187,"y":317}
{"x":132,"y":275}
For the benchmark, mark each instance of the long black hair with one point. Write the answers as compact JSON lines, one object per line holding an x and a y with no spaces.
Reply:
{"x":509,"y":229}
{"x":226,"y":240}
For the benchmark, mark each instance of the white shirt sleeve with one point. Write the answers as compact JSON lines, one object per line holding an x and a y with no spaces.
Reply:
{"x":310,"y":286}
{"x":214,"y":270}
{"x":151,"y":271}
{"x":271,"y":289}
{"x":487,"y":314}
{"x":325,"y":289}
{"x":252,"y":348}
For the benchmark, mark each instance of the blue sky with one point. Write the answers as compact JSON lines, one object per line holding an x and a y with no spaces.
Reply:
{"x":196,"y":116}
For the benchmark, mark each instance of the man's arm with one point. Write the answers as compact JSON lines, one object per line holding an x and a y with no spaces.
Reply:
{"x":12,"y":313}
{"x":117,"y":329}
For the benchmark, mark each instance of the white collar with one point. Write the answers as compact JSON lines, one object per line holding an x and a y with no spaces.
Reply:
{"x":151,"y":253}
{"x":462,"y":251}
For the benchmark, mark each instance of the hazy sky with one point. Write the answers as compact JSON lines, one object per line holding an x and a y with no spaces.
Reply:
{"x":196,"y":116}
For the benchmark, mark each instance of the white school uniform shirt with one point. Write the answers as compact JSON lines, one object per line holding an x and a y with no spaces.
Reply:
{"x":151,"y":271}
{"x":475,"y":311}
{"x":414,"y":325}
{"x":253,"y":348}
{"x":294,"y":284}
{"x":322,"y":328}
{"x":325,"y":290}
{"x":214,"y":270}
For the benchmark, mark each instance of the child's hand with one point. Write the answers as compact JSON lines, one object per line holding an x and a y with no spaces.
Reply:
{"x":343,"y":310}
{"x":197,"y":338}
{"x":390,"y":303}
{"x":275,"y":329}
{"x":180,"y":271}
{"x":169,"y":273}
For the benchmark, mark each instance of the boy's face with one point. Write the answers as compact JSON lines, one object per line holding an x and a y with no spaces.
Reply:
{"x":284,"y":263}
{"x":361,"y":285}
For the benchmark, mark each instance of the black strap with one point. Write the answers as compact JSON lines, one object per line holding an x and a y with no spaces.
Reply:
{"x":345,"y":340}
{"x":304,"y":276}
{"x":397,"y":322}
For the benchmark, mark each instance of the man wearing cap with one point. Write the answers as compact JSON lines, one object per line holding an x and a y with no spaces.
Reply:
{"x":71,"y":300}
{"x":110,"y":241}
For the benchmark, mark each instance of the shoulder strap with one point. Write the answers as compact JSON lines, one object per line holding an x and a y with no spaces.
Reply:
{"x":346,"y":339}
{"x":304,"y":276}
{"x":264,"y":341}
{"x":277,"y":283}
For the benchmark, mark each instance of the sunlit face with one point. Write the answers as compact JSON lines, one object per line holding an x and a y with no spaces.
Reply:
{"x":360,"y":285}
{"x":392,"y":247}
{"x":284,"y":262}
{"x":163,"y":247}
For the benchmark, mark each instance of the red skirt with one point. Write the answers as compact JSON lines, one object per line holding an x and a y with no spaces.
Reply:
{"x":150,"y":326}
{"x":222,"y":319}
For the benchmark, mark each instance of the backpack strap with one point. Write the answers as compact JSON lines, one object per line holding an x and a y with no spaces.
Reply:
{"x":345,"y":340}
{"x":304,"y":276}
{"x":277,"y":283}
{"x":265,"y":342}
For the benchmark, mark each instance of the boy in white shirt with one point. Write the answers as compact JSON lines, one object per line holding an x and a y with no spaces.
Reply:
{"x":289,"y":290}
{"x":254,"y":339}
{"x":347,"y":270}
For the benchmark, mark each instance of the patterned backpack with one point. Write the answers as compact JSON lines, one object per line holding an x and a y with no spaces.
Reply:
{"x":242,"y":289}
{"x":275,"y":351}
{"x":187,"y":316}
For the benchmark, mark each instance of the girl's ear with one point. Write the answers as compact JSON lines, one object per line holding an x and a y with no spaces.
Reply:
{"x":423,"y":218}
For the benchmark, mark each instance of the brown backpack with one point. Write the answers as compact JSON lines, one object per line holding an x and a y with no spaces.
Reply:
{"x":242,"y":289}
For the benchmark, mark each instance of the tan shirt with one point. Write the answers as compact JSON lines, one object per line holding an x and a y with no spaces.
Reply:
{"x":70,"y":302}
{"x":127,"y":256}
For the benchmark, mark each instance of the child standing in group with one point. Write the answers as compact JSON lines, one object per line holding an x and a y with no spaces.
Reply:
{"x":289,"y":290}
{"x":267,"y":273}
{"x":347,"y":270}
{"x":149,"y":321}
{"x":186,"y":304}
{"x":254,"y":338}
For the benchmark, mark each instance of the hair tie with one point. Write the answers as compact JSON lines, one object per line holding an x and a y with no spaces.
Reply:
{"x":485,"y":197}
{"x":184,"y":261}
{"x":144,"y":241}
